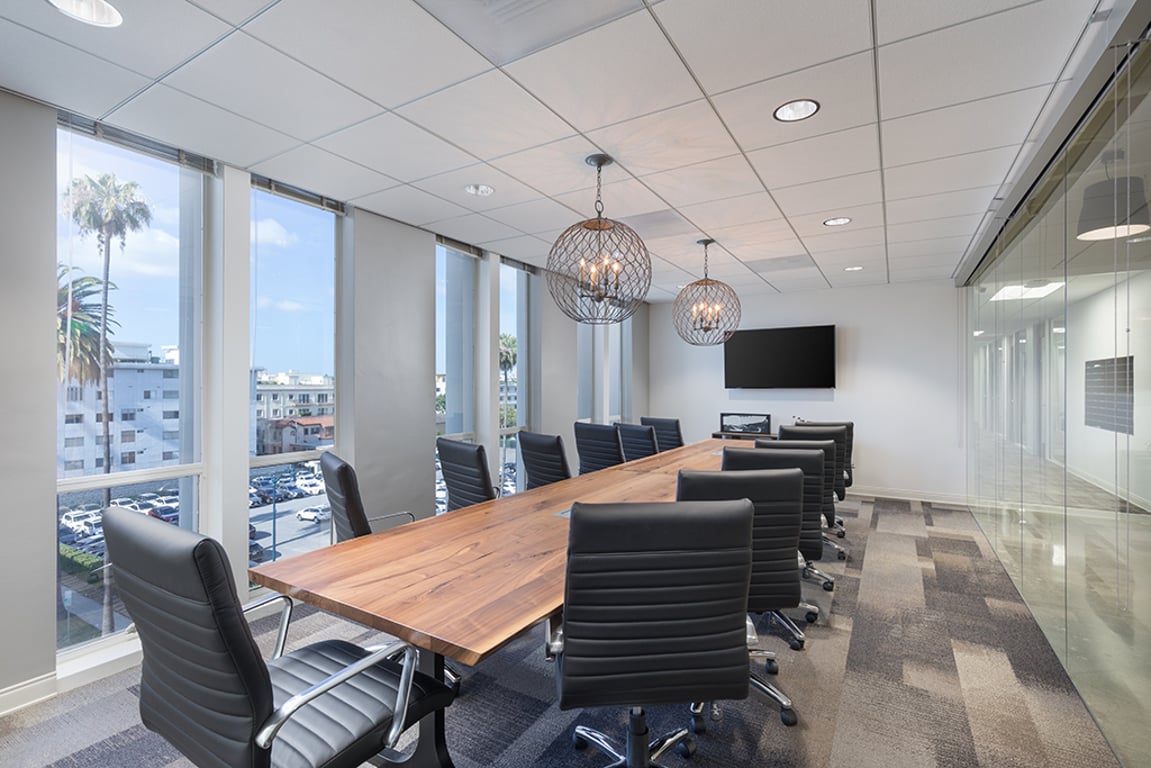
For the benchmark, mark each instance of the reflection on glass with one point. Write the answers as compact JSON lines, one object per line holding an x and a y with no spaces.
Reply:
{"x":455,"y":342}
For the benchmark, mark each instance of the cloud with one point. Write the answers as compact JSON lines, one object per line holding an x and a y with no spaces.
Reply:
{"x":151,"y":252}
{"x":272,"y":232}
{"x":283,"y":305}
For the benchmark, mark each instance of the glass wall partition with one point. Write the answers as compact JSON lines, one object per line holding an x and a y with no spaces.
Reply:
{"x":1060,"y":406}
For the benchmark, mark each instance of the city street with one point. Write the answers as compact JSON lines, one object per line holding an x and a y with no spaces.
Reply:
{"x":282,"y":535}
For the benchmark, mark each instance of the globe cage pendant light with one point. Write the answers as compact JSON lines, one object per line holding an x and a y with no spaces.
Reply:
{"x":598,"y":270}
{"x":707,"y":311}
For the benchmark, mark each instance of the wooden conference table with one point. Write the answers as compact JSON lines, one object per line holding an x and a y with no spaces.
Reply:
{"x":465,"y":583}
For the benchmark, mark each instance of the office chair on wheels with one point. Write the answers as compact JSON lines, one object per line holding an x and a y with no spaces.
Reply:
{"x":829,"y":464}
{"x":466,"y":475}
{"x":205,"y":687}
{"x":598,"y":446}
{"x":544,"y":459}
{"x":638,"y":442}
{"x":668,"y":434}
{"x":655,"y":607}
{"x":777,"y":497}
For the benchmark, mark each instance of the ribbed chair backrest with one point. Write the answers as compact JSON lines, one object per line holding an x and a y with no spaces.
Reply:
{"x":849,"y":447}
{"x":811,"y":462}
{"x":343,"y":492}
{"x":828,"y":448}
{"x":203,"y":684}
{"x":777,"y":495}
{"x":638,"y":441}
{"x":655,"y":603}
{"x":598,"y":446}
{"x":838,"y":434}
{"x":668,"y":435}
{"x":466,"y":475}
{"x":544,"y":459}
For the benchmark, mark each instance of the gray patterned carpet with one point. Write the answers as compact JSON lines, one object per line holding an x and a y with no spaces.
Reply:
{"x":925,"y":656}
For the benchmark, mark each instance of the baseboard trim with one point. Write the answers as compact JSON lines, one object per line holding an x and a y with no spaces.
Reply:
{"x":27,"y":692}
{"x":98,"y":660}
{"x":909,"y":495}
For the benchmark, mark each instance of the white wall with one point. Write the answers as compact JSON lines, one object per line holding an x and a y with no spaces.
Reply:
{"x":28,"y":462}
{"x":1096,"y":328}
{"x":898,"y":378}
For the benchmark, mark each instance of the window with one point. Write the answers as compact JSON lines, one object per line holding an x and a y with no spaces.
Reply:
{"x":171,"y":434}
{"x":511,"y":361}
{"x":171,"y":414}
{"x":123,"y":330}
{"x":321,"y":397}
{"x":171,"y":455}
{"x":455,"y":346}
{"x":171,"y":394}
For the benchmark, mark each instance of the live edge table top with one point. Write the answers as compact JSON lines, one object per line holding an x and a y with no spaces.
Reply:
{"x":464,"y":583}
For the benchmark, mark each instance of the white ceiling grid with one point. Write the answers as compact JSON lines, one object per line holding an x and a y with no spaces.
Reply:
{"x":396,"y":105}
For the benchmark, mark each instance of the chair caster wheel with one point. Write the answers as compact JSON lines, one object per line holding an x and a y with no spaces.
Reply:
{"x":788,"y":717}
{"x":795,"y":644}
{"x":841,"y":555}
{"x":772,"y":666}
{"x":811,"y":617}
{"x":686,"y":748}
{"x":579,"y":742}
{"x":698,"y":724}
{"x":840,"y":534}
{"x":828,"y":586}
{"x":806,"y":573}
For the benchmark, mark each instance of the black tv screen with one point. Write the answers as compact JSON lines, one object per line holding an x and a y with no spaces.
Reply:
{"x":780,"y":358}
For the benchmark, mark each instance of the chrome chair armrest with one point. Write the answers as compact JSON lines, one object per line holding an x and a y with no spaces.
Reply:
{"x":752,"y":635}
{"x":411,"y":517}
{"x":285,"y":618}
{"x":278,"y":718}
{"x":554,"y":640}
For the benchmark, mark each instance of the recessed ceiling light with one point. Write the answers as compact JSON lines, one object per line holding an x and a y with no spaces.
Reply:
{"x":98,"y":13}
{"x":1029,"y":291}
{"x":853,"y":269}
{"x":1059,"y":329}
{"x":837,"y":221}
{"x":977,"y":333}
{"x":481,"y":190}
{"x":793,"y":111}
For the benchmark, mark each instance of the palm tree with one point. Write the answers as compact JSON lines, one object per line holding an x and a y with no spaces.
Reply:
{"x":111,"y":210}
{"x":507,"y":363}
{"x":78,"y":320}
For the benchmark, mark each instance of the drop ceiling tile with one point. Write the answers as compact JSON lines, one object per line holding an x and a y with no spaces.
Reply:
{"x":558,"y":167}
{"x":737,"y":42}
{"x":535,"y":216}
{"x":840,"y":192}
{"x":948,"y":260}
{"x":927,"y":248}
{"x":977,"y":169}
{"x":845,"y":90}
{"x":605,"y":75}
{"x":488,"y":116}
{"x":391,"y":51}
{"x":316,"y":170}
{"x":920,"y":275}
{"x":180,"y":120}
{"x":838,"y":241}
{"x":731,"y":211}
{"x":134,"y":44}
{"x":621,"y":199}
{"x":958,"y":203}
{"x":749,"y":252}
{"x":787,"y":265}
{"x":392,"y":145}
{"x":233,"y":11}
{"x":756,"y":233}
{"x":897,"y":19}
{"x":856,"y":279}
{"x":953,"y":226}
{"x":681,"y":249}
{"x":809,"y":280}
{"x":1009,"y":51}
{"x":871,"y":256}
{"x":53,"y":78}
{"x":474,"y":228}
{"x":661,"y":294}
{"x":409,"y":205}
{"x":999,"y":121}
{"x":713,"y":180}
{"x":855,"y":150}
{"x":862,"y":217}
{"x":247,"y":77}
{"x":450,"y":186}
{"x":525,"y":248}
{"x":673,"y":138}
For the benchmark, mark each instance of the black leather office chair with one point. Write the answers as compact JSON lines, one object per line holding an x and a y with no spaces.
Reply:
{"x":598,"y":446}
{"x":811,"y":534}
{"x":343,"y":491}
{"x":637,"y":441}
{"x":544,"y":459}
{"x":836,"y":433}
{"x":777,"y":495}
{"x":655,"y":608}
{"x":668,"y":435}
{"x":205,"y":687}
{"x":466,"y":475}
{"x":828,"y":448}
{"x":849,"y":445}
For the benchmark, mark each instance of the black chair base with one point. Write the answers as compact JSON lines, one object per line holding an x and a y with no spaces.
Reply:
{"x":637,"y":752}
{"x":840,"y":551}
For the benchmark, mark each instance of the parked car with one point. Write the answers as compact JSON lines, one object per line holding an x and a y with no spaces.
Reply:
{"x":312,"y":486}
{"x":77,"y":519}
{"x":166,"y":513}
{"x":169,"y":501}
{"x":147,"y":497}
{"x":122,"y":501}
{"x":315,"y":514}
{"x":91,"y":506}
{"x":66,"y":535}
{"x":256,"y":553}
{"x":255,"y":500}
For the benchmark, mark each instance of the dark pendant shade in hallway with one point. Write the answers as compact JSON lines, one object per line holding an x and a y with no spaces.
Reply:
{"x":599,"y":270}
{"x":1104,"y":215}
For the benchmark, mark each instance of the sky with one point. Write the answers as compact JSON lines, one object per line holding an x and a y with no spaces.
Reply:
{"x":292,"y":255}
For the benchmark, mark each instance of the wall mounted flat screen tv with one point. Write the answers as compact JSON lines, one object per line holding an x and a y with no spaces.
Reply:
{"x":780,"y":358}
